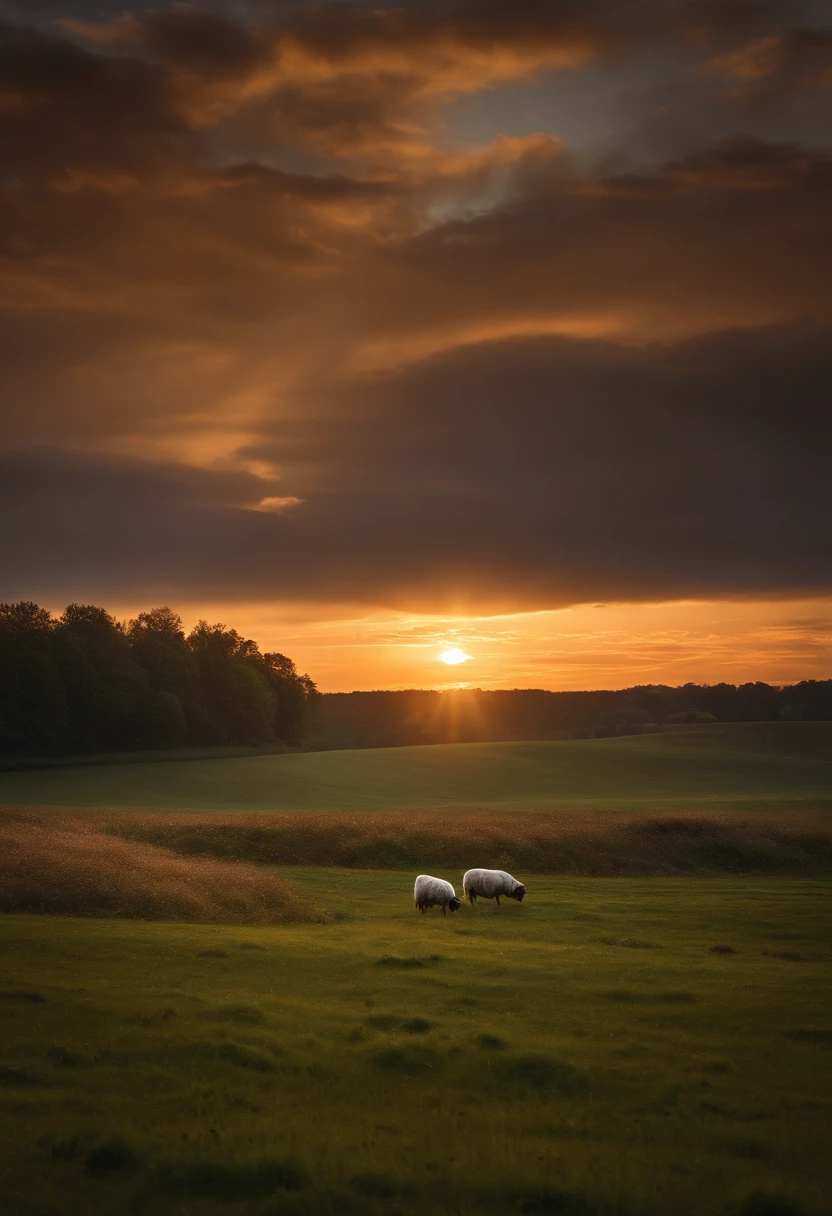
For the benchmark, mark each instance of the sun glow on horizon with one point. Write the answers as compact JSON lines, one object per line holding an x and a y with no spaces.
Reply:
{"x":454,"y":656}
{"x":587,"y":646}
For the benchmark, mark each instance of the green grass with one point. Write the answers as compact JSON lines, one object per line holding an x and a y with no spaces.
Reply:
{"x":585,"y":1052}
{"x":15,"y":764}
{"x":732,"y":765}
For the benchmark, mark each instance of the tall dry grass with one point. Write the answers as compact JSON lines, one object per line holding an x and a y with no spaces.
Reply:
{"x":584,"y":843}
{"x":62,"y":864}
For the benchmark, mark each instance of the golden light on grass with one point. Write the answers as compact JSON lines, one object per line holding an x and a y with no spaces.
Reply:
{"x":67,"y":865}
{"x":579,"y":842}
{"x":454,"y":656}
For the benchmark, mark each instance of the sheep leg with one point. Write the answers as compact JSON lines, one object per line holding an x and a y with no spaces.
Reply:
{"x":498,"y":900}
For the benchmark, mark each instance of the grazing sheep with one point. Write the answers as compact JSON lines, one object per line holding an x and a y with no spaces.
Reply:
{"x":429,"y":891}
{"x":491,"y":884}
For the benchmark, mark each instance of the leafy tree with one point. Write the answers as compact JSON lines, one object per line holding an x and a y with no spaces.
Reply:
{"x":112,"y":703}
{"x":156,"y":722}
{"x":295,"y":696}
{"x":34,"y":716}
{"x":239,"y":701}
{"x":86,"y":683}
{"x":158,"y":645}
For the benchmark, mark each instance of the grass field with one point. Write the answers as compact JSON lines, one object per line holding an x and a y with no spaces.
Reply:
{"x":724,"y":766}
{"x":585,"y":1052}
{"x":639,"y":1046}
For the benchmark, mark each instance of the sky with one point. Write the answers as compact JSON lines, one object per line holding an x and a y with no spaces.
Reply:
{"x":381,"y":330}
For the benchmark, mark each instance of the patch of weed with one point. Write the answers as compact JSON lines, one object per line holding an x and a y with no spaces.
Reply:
{"x":491,"y":1042}
{"x":669,"y":1097}
{"x":748,"y":1150}
{"x":64,"y":1057}
{"x":212,"y":954}
{"x":417,"y":1026}
{"x":411,"y":1061}
{"x":392,"y":960}
{"x":722,"y":949}
{"x":794,"y":956}
{"x":808,"y":1034}
{"x":11,"y":1075}
{"x":762,"y":1204}
{"x":231,"y":1181}
{"x":383,"y":1021}
{"x":565,"y":1131}
{"x":712,"y":1067}
{"x":545,"y":1201}
{"x":238,"y":1054}
{"x":110,"y":1158}
{"x":243,"y":1015}
{"x":150,"y":1019}
{"x":377,"y":1185}
{"x":543,"y":1074}
{"x":632,"y":943}
{"x":60,"y":1149}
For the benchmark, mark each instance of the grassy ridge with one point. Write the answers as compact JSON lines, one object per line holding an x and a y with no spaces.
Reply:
{"x":585,"y":843}
{"x":63,"y":865}
{"x":220,"y":868}
{"x":585,"y":1053}
{"x":729,"y":765}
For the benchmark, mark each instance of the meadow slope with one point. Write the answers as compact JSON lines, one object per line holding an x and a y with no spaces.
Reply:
{"x":727,"y":765}
{"x":607,"y":1048}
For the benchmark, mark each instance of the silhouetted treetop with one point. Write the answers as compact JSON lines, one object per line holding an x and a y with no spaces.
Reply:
{"x":83,"y":682}
{"x":473,"y":715}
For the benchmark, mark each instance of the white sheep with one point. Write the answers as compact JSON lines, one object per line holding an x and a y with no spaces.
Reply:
{"x":491,"y":884}
{"x":430,"y":891}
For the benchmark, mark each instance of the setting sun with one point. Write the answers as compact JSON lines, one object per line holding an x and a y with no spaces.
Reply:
{"x":454,"y":656}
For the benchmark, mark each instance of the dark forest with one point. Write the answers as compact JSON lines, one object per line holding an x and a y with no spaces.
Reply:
{"x":393,"y":719}
{"x":86,"y":683}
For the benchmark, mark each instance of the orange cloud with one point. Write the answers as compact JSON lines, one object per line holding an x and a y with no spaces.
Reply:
{"x":290,"y":325}
{"x":588,"y":646}
{"x":776,"y":66}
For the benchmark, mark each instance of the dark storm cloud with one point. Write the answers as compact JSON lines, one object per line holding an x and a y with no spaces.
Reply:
{"x":355,"y":80}
{"x":241,"y":236}
{"x":739,"y":233}
{"x":775,"y":68}
{"x":175,"y":298}
{"x":528,"y":473}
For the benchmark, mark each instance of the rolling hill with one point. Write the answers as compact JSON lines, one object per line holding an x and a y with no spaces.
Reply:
{"x":723,"y":766}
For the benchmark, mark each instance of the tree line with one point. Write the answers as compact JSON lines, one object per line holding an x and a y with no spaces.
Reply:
{"x":84,"y":682}
{"x":395,"y":719}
